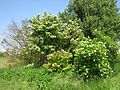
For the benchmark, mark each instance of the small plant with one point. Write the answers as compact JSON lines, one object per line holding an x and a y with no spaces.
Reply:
{"x":59,"y":60}
{"x":29,"y":65}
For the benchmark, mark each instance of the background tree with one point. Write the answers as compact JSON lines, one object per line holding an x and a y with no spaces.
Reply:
{"x":94,"y":14}
{"x":15,"y":39}
{"x":98,"y":19}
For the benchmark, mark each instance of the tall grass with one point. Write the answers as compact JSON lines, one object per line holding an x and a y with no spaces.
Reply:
{"x":40,"y":79}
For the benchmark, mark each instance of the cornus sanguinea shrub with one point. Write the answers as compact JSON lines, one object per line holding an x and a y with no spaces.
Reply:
{"x":91,"y":59}
{"x":49,"y":34}
{"x":61,"y":46}
{"x":46,"y":35}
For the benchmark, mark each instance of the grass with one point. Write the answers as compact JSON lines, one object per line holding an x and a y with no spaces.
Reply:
{"x":20,"y":78}
{"x":23,"y":78}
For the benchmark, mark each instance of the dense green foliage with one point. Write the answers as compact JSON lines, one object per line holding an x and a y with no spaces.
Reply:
{"x":94,"y":14}
{"x":46,"y":35}
{"x":111,"y":45}
{"x":91,"y":59}
{"x":50,"y":34}
{"x":82,"y":39}
{"x":60,"y":46}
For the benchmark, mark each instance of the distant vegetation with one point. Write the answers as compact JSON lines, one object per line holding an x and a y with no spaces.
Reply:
{"x":79,"y":46}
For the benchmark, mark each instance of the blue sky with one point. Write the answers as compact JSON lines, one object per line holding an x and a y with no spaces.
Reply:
{"x":24,"y":9}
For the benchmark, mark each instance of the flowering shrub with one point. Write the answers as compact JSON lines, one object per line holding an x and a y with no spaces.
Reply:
{"x":59,"y":60}
{"x":46,"y":35}
{"x":112,"y":46}
{"x":49,"y":34}
{"x":91,"y":59}
{"x":62,"y":46}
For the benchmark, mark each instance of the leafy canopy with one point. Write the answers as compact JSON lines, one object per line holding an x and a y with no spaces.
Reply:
{"x":94,"y":14}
